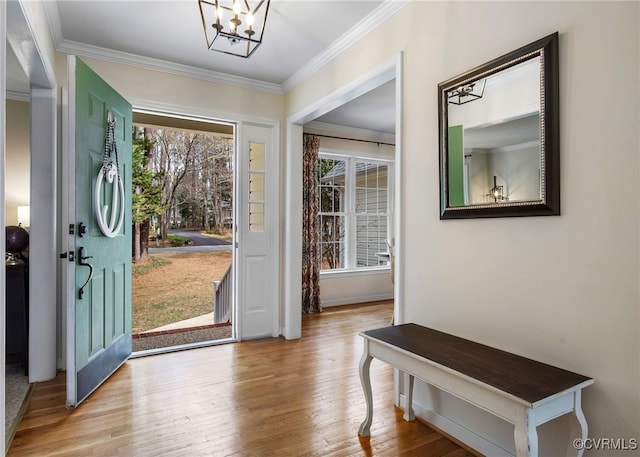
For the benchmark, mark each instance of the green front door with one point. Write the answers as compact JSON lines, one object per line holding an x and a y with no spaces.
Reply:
{"x":99,"y":305}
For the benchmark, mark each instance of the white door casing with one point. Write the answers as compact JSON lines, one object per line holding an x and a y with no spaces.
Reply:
{"x":3,"y":104}
{"x":19,"y":29}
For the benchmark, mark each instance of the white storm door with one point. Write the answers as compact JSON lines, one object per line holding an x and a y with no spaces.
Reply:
{"x":258,"y":235}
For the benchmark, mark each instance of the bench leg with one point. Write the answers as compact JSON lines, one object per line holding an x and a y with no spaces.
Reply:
{"x":408,"y":394}
{"x":365,"y":379}
{"x":526,"y":434}
{"x":579,"y":429}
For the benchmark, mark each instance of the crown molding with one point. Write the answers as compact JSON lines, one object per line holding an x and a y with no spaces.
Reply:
{"x":370,"y":22}
{"x":53,"y":19}
{"x":518,"y":147}
{"x":84,"y":50}
{"x":18,"y":96}
{"x":96,"y":52}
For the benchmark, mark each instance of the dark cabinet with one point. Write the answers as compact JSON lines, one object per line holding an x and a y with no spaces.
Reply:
{"x":17,"y":317}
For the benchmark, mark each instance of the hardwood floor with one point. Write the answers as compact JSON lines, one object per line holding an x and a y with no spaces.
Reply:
{"x":261,"y":398}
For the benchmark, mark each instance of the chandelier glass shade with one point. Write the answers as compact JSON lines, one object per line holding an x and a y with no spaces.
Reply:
{"x":234,"y":27}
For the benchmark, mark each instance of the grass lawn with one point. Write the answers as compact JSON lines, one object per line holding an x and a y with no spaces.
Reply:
{"x":171,"y":287}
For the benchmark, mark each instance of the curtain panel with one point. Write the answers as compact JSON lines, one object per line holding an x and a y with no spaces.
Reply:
{"x":310,"y":232}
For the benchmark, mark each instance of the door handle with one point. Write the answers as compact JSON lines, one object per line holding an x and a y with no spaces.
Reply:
{"x":81,"y":261}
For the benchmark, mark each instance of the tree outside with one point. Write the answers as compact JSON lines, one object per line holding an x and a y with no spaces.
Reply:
{"x":331,"y":177}
{"x":181,"y":179}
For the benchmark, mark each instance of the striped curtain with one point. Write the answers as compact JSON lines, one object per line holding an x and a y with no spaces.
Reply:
{"x":310,"y":232}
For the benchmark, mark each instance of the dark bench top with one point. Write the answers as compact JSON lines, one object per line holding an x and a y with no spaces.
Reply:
{"x":524,"y":378}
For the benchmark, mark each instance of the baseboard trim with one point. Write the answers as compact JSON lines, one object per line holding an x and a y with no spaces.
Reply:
{"x":467,"y":437}
{"x":355,"y":300}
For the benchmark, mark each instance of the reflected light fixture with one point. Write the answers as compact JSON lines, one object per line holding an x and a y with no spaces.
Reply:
{"x":496,"y":192}
{"x":467,"y":92}
{"x":234,"y":27}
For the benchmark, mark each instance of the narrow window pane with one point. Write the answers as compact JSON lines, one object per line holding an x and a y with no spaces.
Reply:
{"x":331,"y":241}
{"x":256,"y":157}
{"x":371,"y":213}
{"x":256,"y":203}
{"x":256,"y":186}
{"x":256,"y":217}
{"x":361,"y":200}
{"x":331,"y":180}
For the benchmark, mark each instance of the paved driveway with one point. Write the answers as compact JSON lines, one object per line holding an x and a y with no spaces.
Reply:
{"x":198,"y":238}
{"x":200,"y":243}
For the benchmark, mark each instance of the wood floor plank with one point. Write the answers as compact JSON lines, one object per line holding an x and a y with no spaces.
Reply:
{"x":260,"y":398}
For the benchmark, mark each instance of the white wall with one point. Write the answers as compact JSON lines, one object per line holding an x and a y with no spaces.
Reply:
{"x":17,"y":176}
{"x":355,"y":287}
{"x":164,"y":91}
{"x":567,"y":291}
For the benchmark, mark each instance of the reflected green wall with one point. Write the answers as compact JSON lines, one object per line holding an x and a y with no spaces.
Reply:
{"x":455,"y":166}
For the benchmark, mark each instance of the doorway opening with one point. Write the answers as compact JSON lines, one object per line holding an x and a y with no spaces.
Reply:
{"x":17,"y":217}
{"x":183,"y":215}
{"x":388,"y":78}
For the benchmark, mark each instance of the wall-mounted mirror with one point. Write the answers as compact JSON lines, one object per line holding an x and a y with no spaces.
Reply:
{"x":499,"y":136}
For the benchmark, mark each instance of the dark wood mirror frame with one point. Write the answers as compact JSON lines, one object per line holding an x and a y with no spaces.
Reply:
{"x":546,"y":49}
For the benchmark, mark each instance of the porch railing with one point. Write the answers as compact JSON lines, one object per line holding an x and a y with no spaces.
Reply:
{"x":223,"y":293}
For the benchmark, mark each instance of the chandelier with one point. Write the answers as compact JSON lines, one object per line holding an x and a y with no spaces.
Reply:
{"x":467,"y":92}
{"x":496,"y":192}
{"x":234,"y":26}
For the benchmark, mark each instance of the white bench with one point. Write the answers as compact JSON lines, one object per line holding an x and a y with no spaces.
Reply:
{"x":519,"y":390}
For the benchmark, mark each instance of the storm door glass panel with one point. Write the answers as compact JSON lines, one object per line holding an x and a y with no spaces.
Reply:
{"x":332,"y":213}
{"x":256,"y":187}
{"x":371,"y":212}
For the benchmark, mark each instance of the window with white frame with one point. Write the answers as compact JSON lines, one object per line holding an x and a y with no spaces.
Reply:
{"x":354,"y":211}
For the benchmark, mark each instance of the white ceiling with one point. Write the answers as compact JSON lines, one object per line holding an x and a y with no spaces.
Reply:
{"x":517,"y":131}
{"x":373,"y":111}
{"x":171,"y":31}
{"x":299,"y":37}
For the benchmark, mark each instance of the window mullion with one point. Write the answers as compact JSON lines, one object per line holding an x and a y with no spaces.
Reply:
{"x":349,"y":213}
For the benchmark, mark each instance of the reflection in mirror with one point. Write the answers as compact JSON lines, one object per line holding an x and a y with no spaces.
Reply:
{"x":498,"y":136}
{"x":499,"y":144}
